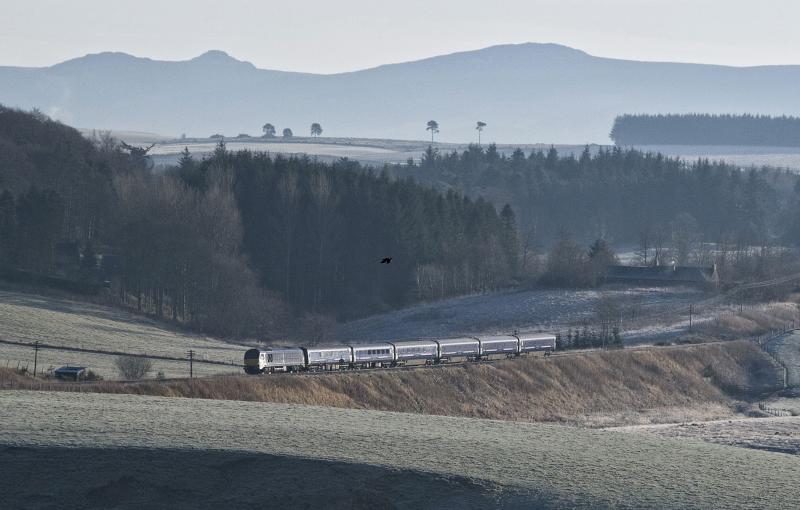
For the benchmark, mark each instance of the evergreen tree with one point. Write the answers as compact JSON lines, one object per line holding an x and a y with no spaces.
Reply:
{"x":7,"y":228}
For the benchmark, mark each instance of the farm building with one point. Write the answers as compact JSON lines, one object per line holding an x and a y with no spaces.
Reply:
{"x":703,"y":276}
{"x":71,"y":373}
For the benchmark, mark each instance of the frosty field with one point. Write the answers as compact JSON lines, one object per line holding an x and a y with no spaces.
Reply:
{"x":502,"y":312}
{"x":62,"y":322}
{"x":770,"y":434}
{"x":547,"y":465}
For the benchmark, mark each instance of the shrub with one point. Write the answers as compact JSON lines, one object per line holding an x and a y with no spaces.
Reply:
{"x":92,"y":376}
{"x":132,"y":367}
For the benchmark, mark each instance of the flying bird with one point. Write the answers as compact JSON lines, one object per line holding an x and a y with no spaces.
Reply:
{"x":386,"y":260}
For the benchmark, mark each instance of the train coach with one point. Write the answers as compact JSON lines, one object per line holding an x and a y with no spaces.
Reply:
{"x":390,"y":354}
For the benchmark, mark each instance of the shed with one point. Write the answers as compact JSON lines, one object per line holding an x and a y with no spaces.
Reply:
{"x":664,"y":275}
{"x":71,"y":373}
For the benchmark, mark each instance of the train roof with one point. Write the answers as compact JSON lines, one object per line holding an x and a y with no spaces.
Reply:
{"x":327,"y":347}
{"x":415,"y":343}
{"x":377,"y":345}
{"x":456,"y":341}
{"x":497,"y":338}
{"x":535,"y":336}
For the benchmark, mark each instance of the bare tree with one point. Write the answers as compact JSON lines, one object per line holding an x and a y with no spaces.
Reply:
{"x":133,"y":367}
{"x":289,"y":193}
{"x":660,"y":235}
{"x":644,"y":246}
{"x":685,"y":235}
{"x":322,"y":193}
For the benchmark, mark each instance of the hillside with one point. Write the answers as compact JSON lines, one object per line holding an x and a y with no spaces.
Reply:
{"x":525,"y":93}
{"x":57,"y":321}
{"x":607,"y":388}
{"x":218,"y":454}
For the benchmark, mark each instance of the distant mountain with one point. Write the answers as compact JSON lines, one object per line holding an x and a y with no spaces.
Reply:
{"x":525,"y":93}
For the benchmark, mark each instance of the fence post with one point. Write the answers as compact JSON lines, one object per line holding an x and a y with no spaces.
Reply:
{"x":35,"y":357}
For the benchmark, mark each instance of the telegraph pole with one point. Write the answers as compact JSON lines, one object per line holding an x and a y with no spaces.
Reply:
{"x":690,"y":317}
{"x":35,"y":356}
{"x":191,"y":362}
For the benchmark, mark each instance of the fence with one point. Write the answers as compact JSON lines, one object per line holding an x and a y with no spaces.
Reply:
{"x":44,"y":369}
{"x":774,"y":411}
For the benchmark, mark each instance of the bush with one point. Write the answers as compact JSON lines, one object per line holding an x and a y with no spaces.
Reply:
{"x":92,"y":376}
{"x":132,"y":367}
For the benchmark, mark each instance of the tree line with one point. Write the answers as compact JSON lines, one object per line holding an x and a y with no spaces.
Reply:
{"x":241,"y":244}
{"x":617,"y":194}
{"x":316,"y":232}
{"x":706,"y":129}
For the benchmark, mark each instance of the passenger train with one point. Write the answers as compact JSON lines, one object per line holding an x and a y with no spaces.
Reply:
{"x":391,"y":354}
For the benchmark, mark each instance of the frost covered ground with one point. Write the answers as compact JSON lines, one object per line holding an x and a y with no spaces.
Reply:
{"x":771,"y":434}
{"x":58,"y":321}
{"x":743,"y":156}
{"x":503,"y":312}
{"x":543,"y":465}
{"x":371,"y":151}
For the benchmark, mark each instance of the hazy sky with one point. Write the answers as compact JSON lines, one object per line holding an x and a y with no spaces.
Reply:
{"x":329,"y":36}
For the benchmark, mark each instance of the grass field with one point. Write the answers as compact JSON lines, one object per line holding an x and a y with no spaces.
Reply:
{"x":770,"y":434}
{"x":63,"y":322}
{"x":553,"y":466}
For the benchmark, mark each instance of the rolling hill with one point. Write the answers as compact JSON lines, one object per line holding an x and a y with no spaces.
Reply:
{"x":526,"y":93}
{"x":134,"y":450}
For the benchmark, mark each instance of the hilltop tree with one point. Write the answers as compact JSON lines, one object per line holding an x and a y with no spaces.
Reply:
{"x":269,"y":130}
{"x":433,"y":127}
{"x":316,"y":129}
{"x":287,"y":133}
{"x":479,"y":127}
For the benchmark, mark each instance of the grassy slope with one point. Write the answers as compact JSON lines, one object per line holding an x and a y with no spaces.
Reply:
{"x":566,"y":466}
{"x":599,"y":388}
{"x":60,"y":321}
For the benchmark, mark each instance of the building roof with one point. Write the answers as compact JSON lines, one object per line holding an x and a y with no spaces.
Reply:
{"x":664,"y":274}
{"x":70,"y":370}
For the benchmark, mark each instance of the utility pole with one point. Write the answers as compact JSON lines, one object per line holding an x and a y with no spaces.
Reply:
{"x":191,"y":362}
{"x":690,"y":317}
{"x":35,"y":356}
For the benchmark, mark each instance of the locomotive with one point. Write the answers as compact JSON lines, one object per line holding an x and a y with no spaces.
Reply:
{"x":391,"y":354}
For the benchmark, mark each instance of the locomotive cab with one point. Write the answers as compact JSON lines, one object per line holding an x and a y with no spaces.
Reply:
{"x":252,"y":361}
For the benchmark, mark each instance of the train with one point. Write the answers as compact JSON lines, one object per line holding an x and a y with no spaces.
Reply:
{"x":392,"y":354}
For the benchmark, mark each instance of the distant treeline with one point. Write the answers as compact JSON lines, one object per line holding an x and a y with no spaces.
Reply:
{"x":618,"y":194}
{"x":706,"y":129}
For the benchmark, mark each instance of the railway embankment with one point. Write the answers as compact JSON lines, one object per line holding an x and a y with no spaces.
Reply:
{"x":599,"y":388}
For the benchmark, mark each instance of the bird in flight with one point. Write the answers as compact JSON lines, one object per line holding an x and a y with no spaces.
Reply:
{"x":386,"y":260}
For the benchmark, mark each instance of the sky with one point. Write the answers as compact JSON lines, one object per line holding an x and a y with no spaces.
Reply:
{"x":327,"y":36}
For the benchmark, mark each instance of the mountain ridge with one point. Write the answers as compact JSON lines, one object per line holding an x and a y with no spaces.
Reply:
{"x":526,"y":93}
